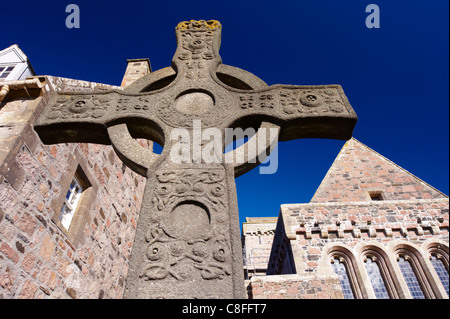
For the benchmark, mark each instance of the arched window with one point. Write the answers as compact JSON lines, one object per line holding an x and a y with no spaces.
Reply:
{"x":417,"y":272}
{"x":442,"y":273}
{"x":407,"y":268}
{"x":339,"y":267}
{"x":378,"y":284}
{"x":379,"y":269}
{"x":439,"y":260}
{"x":344,"y":265}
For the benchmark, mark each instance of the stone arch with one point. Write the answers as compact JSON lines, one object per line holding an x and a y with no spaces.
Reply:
{"x":420,"y":265}
{"x":346,"y":255}
{"x":434,"y":245}
{"x":435,"y":248}
{"x":385,"y":261}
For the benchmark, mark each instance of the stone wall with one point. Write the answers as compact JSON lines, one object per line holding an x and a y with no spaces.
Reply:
{"x":311,"y":227}
{"x":358,"y":171}
{"x":257,"y":238}
{"x":38,"y":257}
{"x":294,"y":287}
{"x":316,"y":231}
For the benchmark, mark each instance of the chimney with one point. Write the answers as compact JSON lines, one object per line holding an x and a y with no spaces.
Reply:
{"x":136,"y":69}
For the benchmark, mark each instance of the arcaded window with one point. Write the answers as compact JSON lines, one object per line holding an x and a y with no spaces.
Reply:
{"x":439,"y":260}
{"x":407,"y":268}
{"x":376,"y":278}
{"x":379,"y":270}
{"x":339,"y":266}
{"x":344,"y":264}
{"x":440,"y":270}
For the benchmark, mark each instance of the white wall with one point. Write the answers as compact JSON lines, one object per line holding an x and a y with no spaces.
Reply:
{"x":13,"y":56}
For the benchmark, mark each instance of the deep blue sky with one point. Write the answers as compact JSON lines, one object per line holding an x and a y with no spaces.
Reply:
{"x":396,"y":77}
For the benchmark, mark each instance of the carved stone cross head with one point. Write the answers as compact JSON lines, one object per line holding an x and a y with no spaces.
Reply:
{"x":187,"y":243}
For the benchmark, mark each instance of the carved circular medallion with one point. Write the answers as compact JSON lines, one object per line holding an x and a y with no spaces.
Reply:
{"x":78,"y":107}
{"x":200,"y":249}
{"x":188,"y":221}
{"x":311,"y":99}
{"x":156,"y":252}
{"x":177,"y":248}
{"x":180,"y":110}
{"x":196,"y":46}
{"x":220,"y":252}
{"x":194,"y":103}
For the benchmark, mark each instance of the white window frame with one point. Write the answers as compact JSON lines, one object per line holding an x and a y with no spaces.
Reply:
{"x":4,"y":69}
{"x":70,"y":203}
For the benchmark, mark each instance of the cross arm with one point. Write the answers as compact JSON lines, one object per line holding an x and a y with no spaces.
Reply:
{"x":321,"y":111}
{"x":109,"y":117}
{"x":84,"y":117}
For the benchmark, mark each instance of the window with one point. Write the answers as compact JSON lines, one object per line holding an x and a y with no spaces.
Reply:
{"x":339,"y":267}
{"x":385,"y":283}
{"x":378,"y":284}
{"x":72,"y":208}
{"x":344,"y":264}
{"x":5,"y":71}
{"x":417,"y":273}
{"x":439,"y":263}
{"x":70,"y":203}
{"x":376,"y":196}
{"x":404,"y":262}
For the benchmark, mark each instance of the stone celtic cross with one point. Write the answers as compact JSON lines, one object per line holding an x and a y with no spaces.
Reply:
{"x":187,"y":242}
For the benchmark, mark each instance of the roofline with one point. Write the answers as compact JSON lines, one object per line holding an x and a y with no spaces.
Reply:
{"x":402,"y":168}
{"x":385,"y":158}
{"x":140,"y":60}
{"x":270,"y":220}
{"x":328,"y":172}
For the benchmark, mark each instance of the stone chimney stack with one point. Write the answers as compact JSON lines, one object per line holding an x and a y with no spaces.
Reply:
{"x":136,"y":69}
